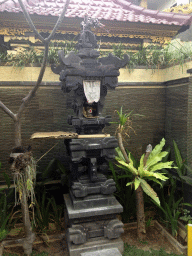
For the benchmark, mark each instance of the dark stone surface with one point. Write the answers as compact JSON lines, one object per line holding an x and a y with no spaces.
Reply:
{"x":105,"y":252}
{"x":80,"y":233}
{"x":92,"y":201}
{"x":77,"y":234}
{"x":95,"y":244}
{"x":113,"y":229}
{"x":114,"y":208}
{"x":82,"y":148}
{"x":84,"y":187}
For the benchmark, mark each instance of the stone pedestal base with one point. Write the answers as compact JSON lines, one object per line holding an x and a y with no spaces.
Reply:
{"x":105,"y":252}
{"x":94,"y":245}
{"x":93,"y":227}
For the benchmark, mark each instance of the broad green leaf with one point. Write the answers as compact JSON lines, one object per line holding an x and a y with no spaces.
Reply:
{"x":122,"y":167}
{"x":149,"y":191}
{"x":135,"y":162}
{"x":160,"y":166}
{"x":130,"y":167}
{"x":178,"y":158}
{"x":156,"y":175}
{"x":155,"y":180}
{"x":137,"y":183}
{"x":160,"y":176}
{"x":140,"y":169}
{"x":155,"y":159}
{"x":131,"y":162}
{"x":157,"y":149}
{"x":120,"y":154}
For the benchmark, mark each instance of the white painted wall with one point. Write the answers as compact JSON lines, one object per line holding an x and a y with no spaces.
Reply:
{"x":183,"y":2}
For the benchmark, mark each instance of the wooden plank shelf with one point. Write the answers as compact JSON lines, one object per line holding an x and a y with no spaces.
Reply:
{"x":65,"y":135}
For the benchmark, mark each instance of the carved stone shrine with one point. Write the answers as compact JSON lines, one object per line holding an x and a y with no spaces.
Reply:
{"x":91,"y":208}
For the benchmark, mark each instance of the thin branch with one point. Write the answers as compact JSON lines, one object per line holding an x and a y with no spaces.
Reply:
{"x":30,"y":22}
{"x":3,"y":2}
{"x":31,"y":94}
{"x":59,"y":21}
{"x":8,"y":111}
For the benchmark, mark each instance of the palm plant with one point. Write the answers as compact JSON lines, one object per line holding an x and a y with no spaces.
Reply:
{"x":123,"y":129}
{"x":149,"y":169}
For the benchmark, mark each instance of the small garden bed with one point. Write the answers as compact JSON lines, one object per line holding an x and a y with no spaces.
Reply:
{"x":156,"y":238}
{"x":54,"y":242}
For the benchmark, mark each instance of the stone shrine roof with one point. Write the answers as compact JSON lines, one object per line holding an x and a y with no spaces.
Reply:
{"x":120,"y":10}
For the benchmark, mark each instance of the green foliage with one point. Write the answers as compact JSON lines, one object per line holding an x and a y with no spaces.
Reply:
{"x":180,"y":163}
{"x":31,"y":56}
{"x":4,"y":208}
{"x":182,"y":168}
{"x":133,"y":251}
{"x":42,"y":213}
{"x":118,"y":50}
{"x":3,"y":58}
{"x":151,"y":56}
{"x":124,"y":194}
{"x":148,"y":222}
{"x":123,"y":118}
{"x":25,"y":58}
{"x":46,"y":211}
{"x":186,"y":217}
{"x":151,"y":171}
{"x":56,"y":213}
{"x":54,"y":170}
{"x":170,"y":205}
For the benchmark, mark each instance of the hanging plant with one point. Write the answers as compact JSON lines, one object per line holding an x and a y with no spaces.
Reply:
{"x":24,"y":175}
{"x":23,"y":167}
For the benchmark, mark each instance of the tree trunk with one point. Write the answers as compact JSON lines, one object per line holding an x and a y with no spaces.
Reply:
{"x":30,"y":236}
{"x":121,"y":146}
{"x":140,"y":213}
{"x":17,"y":124}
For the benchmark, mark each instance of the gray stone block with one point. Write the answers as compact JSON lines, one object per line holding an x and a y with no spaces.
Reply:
{"x":95,"y":245}
{"x":88,"y":212}
{"x":105,"y":252}
{"x":92,"y":201}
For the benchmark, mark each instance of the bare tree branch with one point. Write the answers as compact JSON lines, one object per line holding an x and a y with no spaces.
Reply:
{"x":30,"y":22}
{"x":46,"y":41}
{"x":4,"y":1}
{"x":31,"y":94}
{"x":59,"y":21}
{"x":7,"y":111}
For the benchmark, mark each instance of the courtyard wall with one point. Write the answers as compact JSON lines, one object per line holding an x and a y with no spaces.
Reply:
{"x":160,"y":97}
